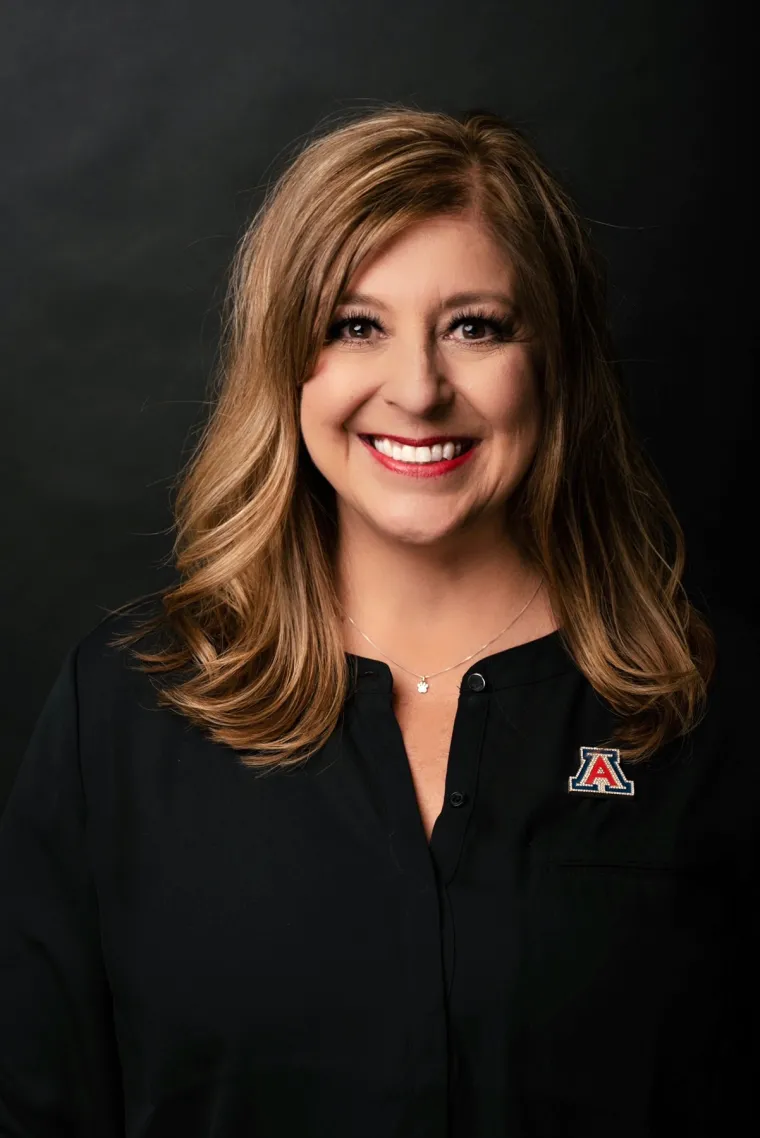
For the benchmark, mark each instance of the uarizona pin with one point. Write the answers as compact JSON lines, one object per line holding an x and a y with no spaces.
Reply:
{"x":600,"y":773}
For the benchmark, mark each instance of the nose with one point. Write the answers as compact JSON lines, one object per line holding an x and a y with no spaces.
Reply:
{"x":414,"y":380}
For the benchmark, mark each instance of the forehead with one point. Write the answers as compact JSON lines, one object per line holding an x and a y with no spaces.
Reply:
{"x":433,"y":259}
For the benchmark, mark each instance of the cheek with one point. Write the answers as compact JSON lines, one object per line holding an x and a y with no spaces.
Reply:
{"x":327,"y":402}
{"x":510,"y":403}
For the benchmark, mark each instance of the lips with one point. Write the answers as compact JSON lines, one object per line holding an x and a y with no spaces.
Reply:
{"x":419,"y":470}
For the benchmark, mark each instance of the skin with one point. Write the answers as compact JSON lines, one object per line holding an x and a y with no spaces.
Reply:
{"x":427,"y":566}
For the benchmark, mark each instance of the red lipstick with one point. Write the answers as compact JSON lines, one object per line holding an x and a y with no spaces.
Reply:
{"x":419,"y":469}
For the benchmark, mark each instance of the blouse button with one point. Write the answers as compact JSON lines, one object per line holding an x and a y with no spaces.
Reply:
{"x":456,"y":798}
{"x":476,"y":682}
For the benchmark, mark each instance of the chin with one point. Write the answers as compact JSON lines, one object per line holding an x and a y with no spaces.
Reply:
{"x":411,"y":532}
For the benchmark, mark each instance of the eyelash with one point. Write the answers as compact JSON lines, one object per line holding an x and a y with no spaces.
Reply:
{"x":503,"y":327}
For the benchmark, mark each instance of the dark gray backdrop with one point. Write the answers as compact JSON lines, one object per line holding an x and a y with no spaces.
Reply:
{"x":136,"y":140}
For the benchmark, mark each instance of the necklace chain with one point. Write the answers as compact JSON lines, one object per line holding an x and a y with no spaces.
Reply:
{"x":423,"y":684}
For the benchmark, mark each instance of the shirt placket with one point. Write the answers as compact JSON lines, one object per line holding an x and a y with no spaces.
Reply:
{"x":425,"y":869}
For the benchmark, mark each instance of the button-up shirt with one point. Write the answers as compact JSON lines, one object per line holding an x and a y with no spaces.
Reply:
{"x":189,"y":948}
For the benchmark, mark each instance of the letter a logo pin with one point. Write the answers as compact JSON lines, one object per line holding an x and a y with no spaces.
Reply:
{"x":600,"y":773}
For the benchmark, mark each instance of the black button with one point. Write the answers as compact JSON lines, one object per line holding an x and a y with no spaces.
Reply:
{"x":456,"y":798}
{"x":476,"y":682}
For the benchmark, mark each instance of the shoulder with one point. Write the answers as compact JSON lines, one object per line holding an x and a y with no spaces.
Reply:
{"x":98,"y":702}
{"x":108,"y":675}
{"x":96,"y":647}
{"x":125,"y":731}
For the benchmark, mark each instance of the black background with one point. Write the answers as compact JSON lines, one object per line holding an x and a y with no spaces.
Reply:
{"x":137,"y":138}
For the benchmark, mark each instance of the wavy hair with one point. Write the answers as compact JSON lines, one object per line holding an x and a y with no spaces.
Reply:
{"x":254,"y":620}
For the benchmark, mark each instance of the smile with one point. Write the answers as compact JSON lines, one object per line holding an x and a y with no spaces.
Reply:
{"x":420,"y":461}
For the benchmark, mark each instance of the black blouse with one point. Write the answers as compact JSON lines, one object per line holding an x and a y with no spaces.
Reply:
{"x":189,"y":949}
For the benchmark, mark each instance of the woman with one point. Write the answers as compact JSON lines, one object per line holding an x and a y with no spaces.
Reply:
{"x":406,"y":811}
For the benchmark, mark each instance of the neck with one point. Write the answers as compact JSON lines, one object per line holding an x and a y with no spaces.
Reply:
{"x":427,"y":606}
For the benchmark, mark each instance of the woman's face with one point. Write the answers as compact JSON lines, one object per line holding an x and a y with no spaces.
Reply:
{"x":403,"y":366}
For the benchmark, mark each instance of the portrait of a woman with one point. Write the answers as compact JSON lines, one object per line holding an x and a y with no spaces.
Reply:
{"x":417,"y":806}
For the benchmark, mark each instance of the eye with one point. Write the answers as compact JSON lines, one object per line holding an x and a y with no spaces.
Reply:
{"x":502,"y":328}
{"x":351,"y":323}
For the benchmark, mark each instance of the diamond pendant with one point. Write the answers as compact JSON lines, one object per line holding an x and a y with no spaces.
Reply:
{"x":423,"y":685}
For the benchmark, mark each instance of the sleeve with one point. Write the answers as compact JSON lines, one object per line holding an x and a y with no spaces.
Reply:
{"x":59,"y":1070}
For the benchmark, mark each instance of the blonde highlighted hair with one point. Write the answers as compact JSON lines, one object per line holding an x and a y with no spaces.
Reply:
{"x":254,"y":622}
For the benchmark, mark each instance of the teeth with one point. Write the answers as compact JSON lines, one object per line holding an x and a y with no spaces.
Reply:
{"x":417,"y":454}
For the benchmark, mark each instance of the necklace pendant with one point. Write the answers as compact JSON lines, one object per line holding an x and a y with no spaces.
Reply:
{"x":423,"y":685}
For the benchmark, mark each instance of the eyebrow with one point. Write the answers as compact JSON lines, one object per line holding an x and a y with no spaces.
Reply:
{"x":456,"y":300}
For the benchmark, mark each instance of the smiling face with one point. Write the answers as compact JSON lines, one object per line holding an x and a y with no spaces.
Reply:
{"x":408,"y":360}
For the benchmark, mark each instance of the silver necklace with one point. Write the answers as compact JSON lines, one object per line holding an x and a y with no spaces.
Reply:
{"x":423,"y":684}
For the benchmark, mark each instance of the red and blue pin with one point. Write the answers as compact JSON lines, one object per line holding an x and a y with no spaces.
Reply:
{"x":600,"y":773}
